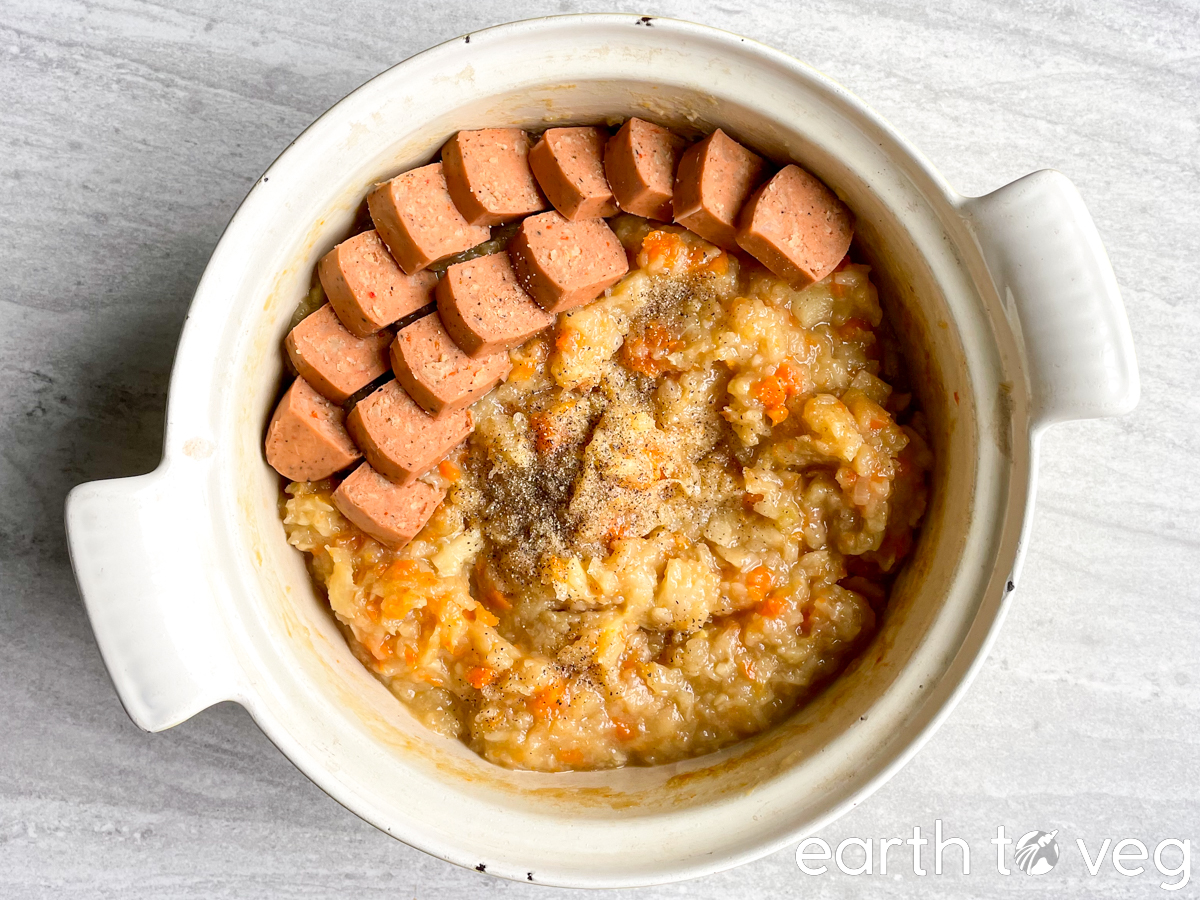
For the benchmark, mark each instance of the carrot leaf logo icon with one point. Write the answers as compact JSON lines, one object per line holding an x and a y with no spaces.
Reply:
{"x":1036,"y":853}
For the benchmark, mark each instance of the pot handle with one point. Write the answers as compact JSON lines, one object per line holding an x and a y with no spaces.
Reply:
{"x":142,"y":576}
{"x":1059,"y":292}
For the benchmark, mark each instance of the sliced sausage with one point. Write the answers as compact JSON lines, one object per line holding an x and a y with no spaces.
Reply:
{"x":714,"y":179}
{"x":418,"y":221}
{"x":569,"y":165}
{"x":390,"y":513}
{"x":400,"y":439}
{"x":640,"y":162}
{"x":565,"y":264}
{"x":333,"y":360}
{"x":307,"y":438}
{"x":439,"y":375}
{"x":367,"y":289}
{"x":485,"y":309}
{"x":796,"y":227}
{"x":487,"y":172}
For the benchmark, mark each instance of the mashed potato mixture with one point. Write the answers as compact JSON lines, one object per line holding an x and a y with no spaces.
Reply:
{"x":676,"y":520}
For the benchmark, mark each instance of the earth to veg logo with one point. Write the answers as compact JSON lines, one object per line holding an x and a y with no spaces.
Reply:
{"x":1036,"y":852}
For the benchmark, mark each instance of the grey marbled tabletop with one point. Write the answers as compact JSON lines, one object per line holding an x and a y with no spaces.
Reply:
{"x":129,"y":132}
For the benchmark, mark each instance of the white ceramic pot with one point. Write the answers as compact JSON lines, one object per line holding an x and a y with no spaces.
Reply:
{"x":1012,"y":321}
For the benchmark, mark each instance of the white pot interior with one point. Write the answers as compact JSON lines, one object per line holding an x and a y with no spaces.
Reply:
{"x":634,"y":825}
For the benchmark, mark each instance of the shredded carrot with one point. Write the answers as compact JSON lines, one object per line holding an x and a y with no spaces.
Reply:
{"x":719,"y":264}
{"x":758,"y":582}
{"x":407,"y":586}
{"x":485,"y":616}
{"x":480,"y":677}
{"x":571,"y":756}
{"x":623,"y":730}
{"x":546,"y":703}
{"x":400,"y":602}
{"x":549,"y":426}
{"x":385,"y":651}
{"x":567,"y":340}
{"x":410,"y":571}
{"x":449,"y":470}
{"x":672,"y":249}
{"x":619,"y":528}
{"x":648,"y":352}
{"x":846,"y":477}
{"x":662,"y":244}
{"x":773,"y":605}
{"x":790,"y":377}
{"x":769,"y":392}
{"x":410,"y":656}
